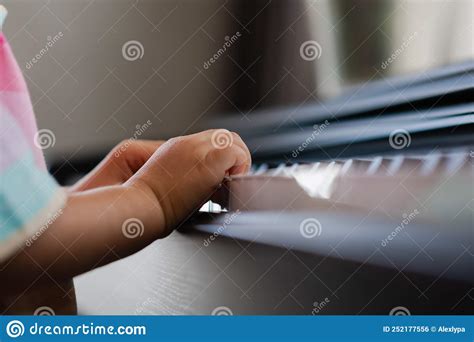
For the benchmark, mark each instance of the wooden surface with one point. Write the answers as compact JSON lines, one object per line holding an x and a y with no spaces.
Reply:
{"x":181,"y":275}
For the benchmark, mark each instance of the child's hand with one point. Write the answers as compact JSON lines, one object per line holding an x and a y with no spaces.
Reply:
{"x":185,"y":171}
{"x":172,"y":181}
{"x":122,"y":162}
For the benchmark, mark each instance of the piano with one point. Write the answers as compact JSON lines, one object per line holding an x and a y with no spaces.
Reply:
{"x":358,"y":205}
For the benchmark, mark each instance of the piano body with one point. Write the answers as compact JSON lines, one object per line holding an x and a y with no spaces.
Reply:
{"x":363,"y":207}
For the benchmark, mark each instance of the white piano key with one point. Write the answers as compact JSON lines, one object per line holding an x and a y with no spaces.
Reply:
{"x":395,"y":165}
{"x":261,"y":169}
{"x":292,"y":168}
{"x":374,"y":166}
{"x":346,"y":167}
{"x":454,"y":162}
{"x":331,"y":166}
{"x":429,"y":163}
{"x":315,"y":167}
{"x":279,"y":171}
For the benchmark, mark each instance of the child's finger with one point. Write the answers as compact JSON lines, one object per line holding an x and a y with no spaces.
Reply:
{"x":241,"y":169}
{"x":222,"y":139}
{"x":152,"y":143}
{"x":149,"y":146}
{"x":230,"y":160}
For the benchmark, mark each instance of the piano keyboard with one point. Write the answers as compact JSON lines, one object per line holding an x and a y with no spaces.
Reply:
{"x":438,"y":185}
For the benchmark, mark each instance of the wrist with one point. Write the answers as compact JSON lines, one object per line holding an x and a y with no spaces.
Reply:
{"x":148,"y":202}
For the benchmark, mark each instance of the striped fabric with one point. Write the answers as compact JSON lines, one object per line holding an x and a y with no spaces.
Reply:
{"x":29,"y":196}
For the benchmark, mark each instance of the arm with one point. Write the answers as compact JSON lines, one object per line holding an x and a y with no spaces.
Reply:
{"x":86,"y":235}
{"x":179,"y":177}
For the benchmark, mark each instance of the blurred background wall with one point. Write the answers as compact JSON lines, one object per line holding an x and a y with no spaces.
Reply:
{"x":91,"y":94}
{"x":88,"y":94}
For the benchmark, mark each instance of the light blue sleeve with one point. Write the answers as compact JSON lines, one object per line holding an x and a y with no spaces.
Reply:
{"x":30,"y":198}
